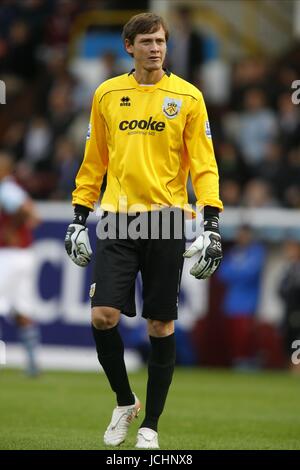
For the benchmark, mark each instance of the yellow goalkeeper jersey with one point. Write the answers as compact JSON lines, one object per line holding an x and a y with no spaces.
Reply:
{"x":147,"y":138}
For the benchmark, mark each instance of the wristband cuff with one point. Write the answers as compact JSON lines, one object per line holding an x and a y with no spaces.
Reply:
{"x":80,"y":214}
{"x":211,"y":219}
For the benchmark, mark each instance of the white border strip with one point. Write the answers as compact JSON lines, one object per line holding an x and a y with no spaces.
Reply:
{"x":65,"y":358}
{"x":270,"y":217}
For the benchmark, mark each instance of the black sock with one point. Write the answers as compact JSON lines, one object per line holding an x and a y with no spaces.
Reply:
{"x":110,"y":350}
{"x":160,"y":373}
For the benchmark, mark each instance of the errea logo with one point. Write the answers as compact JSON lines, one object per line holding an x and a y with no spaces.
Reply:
{"x":125,"y":101}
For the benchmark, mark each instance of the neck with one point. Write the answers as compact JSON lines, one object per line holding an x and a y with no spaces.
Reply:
{"x":146,"y":77}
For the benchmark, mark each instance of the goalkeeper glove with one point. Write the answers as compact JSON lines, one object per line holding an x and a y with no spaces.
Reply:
{"x":77,"y":242}
{"x":208,"y":245}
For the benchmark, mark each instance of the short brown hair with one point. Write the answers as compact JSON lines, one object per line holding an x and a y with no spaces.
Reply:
{"x":144,"y":23}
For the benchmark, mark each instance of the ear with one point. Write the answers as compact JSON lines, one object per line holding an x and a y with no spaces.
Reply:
{"x":128,"y":46}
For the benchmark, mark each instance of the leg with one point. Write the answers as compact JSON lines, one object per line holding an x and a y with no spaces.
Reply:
{"x":116,"y":268}
{"x":110,"y":350}
{"x":160,"y":369}
{"x":20,"y":297}
{"x":160,"y":373}
{"x":30,"y":337}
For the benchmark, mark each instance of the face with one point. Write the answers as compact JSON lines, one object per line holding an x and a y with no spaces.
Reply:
{"x":149,"y":50}
{"x":292,"y":250}
{"x":244,"y":236}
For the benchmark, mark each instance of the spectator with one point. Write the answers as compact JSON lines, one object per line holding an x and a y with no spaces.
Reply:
{"x":248,"y":73}
{"x":289,"y":121}
{"x":37,"y":142}
{"x":258,"y":194}
{"x":231,"y":193}
{"x":58,"y":28}
{"x":20,"y":59}
{"x":282,"y":77}
{"x":187,"y":56}
{"x":55,"y":75}
{"x":290,"y":178}
{"x":60,"y":111}
{"x":66,"y":163}
{"x":13,"y":139}
{"x":90,"y":72}
{"x":17,"y":219}
{"x":289,"y":291}
{"x":257,"y":128}
{"x":215,"y":81}
{"x":241,"y":271}
{"x":270,"y":170}
{"x":231,"y":165}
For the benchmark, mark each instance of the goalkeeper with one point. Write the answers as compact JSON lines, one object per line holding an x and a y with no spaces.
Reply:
{"x":148,"y":129}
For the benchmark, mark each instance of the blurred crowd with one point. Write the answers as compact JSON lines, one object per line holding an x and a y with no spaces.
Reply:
{"x":255,"y":125}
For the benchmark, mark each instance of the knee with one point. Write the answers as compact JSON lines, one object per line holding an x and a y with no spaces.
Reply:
{"x":158,"y":328}
{"x":104,"y":318}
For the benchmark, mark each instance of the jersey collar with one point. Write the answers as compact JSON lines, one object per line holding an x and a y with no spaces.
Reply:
{"x":148,"y":88}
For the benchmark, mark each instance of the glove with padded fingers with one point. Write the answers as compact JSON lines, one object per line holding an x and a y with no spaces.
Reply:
{"x":209,"y":246}
{"x":77,"y":243}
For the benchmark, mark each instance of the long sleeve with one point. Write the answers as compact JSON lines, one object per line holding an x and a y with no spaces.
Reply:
{"x":200,"y":153}
{"x":93,"y":168}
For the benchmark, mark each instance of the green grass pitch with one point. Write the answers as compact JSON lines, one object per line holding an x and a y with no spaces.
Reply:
{"x":206,"y":409}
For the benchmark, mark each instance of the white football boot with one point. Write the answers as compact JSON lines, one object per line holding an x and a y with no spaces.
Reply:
{"x":147,"y":439}
{"x":122,"y":417}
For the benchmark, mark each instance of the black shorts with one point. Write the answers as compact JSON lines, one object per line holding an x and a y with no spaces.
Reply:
{"x":119,"y":259}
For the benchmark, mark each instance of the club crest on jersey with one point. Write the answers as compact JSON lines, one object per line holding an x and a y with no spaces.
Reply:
{"x":171,"y":107}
